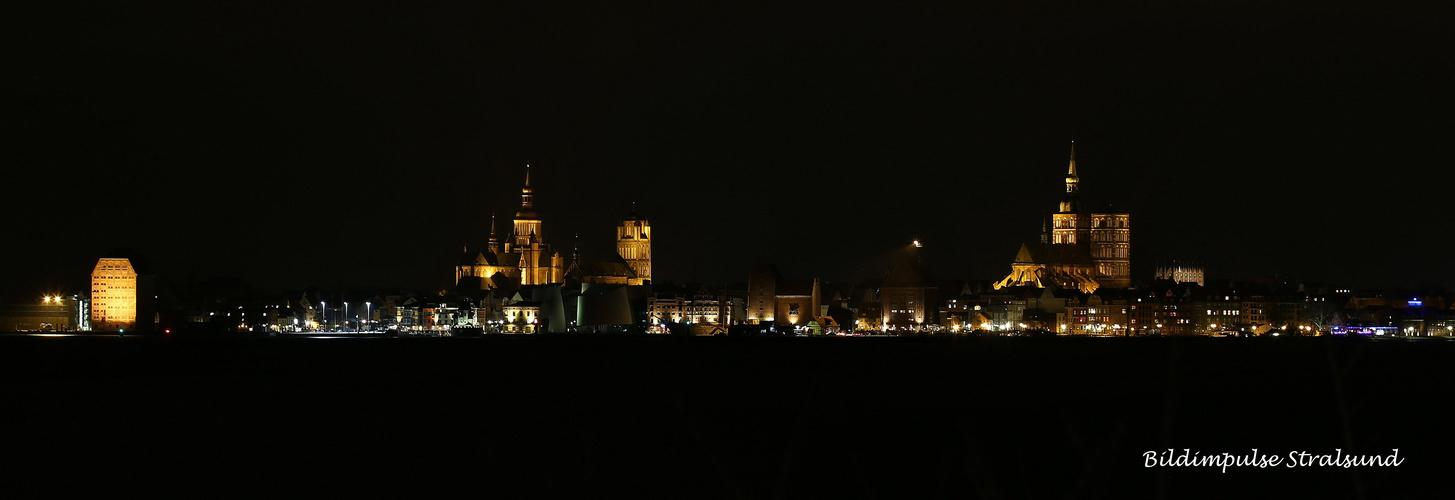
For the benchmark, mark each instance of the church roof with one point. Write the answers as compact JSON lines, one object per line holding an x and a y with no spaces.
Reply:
{"x":620,"y":269}
{"x":510,"y":259}
{"x":476,"y":258}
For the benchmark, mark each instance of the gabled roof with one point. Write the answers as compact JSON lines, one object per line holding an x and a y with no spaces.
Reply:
{"x":475,"y":258}
{"x":511,"y":259}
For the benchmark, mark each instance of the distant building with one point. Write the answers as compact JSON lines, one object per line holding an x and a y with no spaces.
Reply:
{"x":762,"y":294}
{"x":634,"y":245}
{"x":122,"y":293}
{"x":703,"y":308}
{"x":632,"y":264}
{"x":1180,"y":272}
{"x":788,"y":302}
{"x":52,"y":313}
{"x":907,"y":297}
{"x":523,"y":259}
{"x":1042,"y":265}
{"x":1082,"y":250}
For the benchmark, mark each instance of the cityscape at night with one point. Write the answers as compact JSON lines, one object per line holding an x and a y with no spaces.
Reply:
{"x":1074,"y":280}
{"x":967,"y":249}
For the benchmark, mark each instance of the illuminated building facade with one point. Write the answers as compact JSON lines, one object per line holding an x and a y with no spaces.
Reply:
{"x":1180,"y":272}
{"x":1043,"y":265}
{"x":634,"y":245}
{"x":538,"y":264}
{"x":705,"y":308}
{"x":523,"y":259}
{"x":772,"y":299}
{"x":121,"y":294}
{"x":522,"y":316}
{"x":1082,"y":250}
{"x":797,"y":301}
{"x":632,"y":264}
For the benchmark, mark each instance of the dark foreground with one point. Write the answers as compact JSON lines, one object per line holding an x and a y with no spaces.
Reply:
{"x":719,"y":417}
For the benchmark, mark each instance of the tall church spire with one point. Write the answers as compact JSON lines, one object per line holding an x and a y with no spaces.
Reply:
{"x":1070,"y":204}
{"x":1071,"y":179}
{"x":494,"y":245}
{"x":526,"y":200}
{"x":1045,"y":233}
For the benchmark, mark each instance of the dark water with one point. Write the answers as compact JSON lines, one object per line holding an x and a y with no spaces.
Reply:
{"x":719,"y":417}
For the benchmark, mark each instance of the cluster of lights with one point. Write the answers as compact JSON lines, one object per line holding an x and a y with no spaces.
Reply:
{"x":52,"y":299}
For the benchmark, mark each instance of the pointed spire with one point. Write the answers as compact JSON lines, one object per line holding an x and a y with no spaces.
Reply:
{"x":1071,"y":178}
{"x":494,"y":242}
{"x":1072,"y":169}
{"x":527,"y":166}
{"x":1045,"y":234}
{"x":526,"y":200}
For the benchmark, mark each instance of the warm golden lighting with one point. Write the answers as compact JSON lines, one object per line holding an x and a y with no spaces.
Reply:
{"x":113,"y":294}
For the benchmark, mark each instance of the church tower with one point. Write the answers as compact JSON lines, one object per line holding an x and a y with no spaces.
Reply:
{"x":634,"y":245}
{"x":537,"y":264}
{"x":527,"y":222}
{"x":1070,"y":225}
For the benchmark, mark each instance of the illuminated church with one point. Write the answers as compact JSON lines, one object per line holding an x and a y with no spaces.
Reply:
{"x":1082,"y":250}
{"x":523,"y":259}
{"x":632,"y":264}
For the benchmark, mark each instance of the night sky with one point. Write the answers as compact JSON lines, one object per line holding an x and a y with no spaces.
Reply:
{"x":362,"y":144}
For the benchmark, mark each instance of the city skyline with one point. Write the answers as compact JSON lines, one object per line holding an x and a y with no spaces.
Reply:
{"x":364,"y":146}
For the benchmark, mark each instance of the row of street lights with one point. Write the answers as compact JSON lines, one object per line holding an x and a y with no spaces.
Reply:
{"x":368,"y":310}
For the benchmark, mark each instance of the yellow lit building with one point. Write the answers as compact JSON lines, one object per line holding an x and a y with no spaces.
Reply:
{"x":1082,"y":250}
{"x":787,"y":302}
{"x":121,"y":294}
{"x":632,"y":264}
{"x":524,"y":259}
{"x":634,"y":245}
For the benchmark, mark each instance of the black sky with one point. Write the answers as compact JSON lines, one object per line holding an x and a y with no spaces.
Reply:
{"x":353,"y":143}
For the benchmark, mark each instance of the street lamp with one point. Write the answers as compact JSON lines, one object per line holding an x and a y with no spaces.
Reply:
{"x":324,"y":303}
{"x":367,"y":316}
{"x":346,"y":316}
